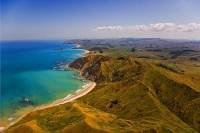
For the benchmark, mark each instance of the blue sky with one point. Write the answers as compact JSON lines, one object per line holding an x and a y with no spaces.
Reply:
{"x":67,"y":19}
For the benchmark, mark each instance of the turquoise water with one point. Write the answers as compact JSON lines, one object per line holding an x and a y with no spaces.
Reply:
{"x":34,"y":70}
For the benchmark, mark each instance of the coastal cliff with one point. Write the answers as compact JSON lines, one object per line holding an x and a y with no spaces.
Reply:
{"x":89,"y":66}
{"x":131,"y":95}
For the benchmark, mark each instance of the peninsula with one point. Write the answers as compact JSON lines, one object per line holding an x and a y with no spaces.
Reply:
{"x":140,"y":90}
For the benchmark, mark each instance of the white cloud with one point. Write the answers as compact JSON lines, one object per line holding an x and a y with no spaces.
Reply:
{"x":162,"y":27}
{"x":191,"y":27}
{"x":109,"y":28}
{"x":137,"y":28}
{"x":157,"y":27}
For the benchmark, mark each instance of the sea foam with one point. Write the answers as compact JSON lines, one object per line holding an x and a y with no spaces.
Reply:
{"x":68,"y":96}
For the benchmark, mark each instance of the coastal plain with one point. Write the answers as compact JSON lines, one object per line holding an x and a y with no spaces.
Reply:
{"x":142,"y":86}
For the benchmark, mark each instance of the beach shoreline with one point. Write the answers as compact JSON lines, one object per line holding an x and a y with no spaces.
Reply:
{"x":79,"y":94}
{"x":86,"y":51}
{"x":58,"y":102}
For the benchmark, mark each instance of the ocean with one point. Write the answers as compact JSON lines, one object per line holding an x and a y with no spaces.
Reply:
{"x":34,"y":73}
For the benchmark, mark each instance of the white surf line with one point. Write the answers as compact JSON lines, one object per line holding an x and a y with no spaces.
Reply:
{"x":80,"y":94}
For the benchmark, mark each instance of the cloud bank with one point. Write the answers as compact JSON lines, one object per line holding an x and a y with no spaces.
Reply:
{"x":157,"y":27}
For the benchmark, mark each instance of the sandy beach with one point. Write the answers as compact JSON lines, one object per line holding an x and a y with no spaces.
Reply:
{"x":71,"y":97}
{"x":80,"y":93}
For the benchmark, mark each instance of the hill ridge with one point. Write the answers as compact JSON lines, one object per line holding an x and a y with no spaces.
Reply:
{"x":131,"y":95}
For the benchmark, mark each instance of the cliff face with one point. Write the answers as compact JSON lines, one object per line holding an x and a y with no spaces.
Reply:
{"x":106,"y":69}
{"x":89,"y":66}
{"x":131,"y":95}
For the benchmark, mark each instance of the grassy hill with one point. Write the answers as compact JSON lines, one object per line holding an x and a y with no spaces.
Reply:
{"x":132,"y":95}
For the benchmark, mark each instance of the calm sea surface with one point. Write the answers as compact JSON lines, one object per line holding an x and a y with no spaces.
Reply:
{"x":32,"y":74}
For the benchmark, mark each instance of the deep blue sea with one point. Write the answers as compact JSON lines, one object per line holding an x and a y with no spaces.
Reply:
{"x":33,"y":73}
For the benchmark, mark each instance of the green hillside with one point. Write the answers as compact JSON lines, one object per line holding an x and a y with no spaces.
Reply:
{"x":131,"y":96}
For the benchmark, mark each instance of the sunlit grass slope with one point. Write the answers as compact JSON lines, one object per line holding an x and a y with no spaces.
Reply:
{"x":131,"y":95}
